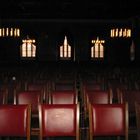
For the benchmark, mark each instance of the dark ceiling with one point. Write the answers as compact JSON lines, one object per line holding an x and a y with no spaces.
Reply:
{"x":69,"y":9}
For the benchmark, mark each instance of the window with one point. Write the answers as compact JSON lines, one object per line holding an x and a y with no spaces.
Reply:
{"x":97,"y":51}
{"x":65,"y":50}
{"x":28,"y":49}
{"x":9,"y":32}
{"x":120,"y":32}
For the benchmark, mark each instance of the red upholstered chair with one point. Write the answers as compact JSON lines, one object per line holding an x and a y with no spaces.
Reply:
{"x":116,"y":86}
{"x":36,"y":87}
{"x":29,"y":97}
{"x":97,"y":97}
{"x":131,"y":96}
{"x":15,"y":121}
{"x":33,"y":98}
{"x":64,"y":85}
{"x":93,"y":86}
{"x":63,"y":97}
{"x":108,"y":120}
{"x":89,"y":86}
{"x":59,"y":120}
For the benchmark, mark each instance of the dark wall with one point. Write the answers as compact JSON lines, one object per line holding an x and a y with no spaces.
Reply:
{"x":49,"y":34}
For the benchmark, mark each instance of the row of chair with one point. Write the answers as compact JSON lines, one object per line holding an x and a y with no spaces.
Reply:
{"x":104,"y":97}
{"x":65,"y":85}
{"x":62,"y":120}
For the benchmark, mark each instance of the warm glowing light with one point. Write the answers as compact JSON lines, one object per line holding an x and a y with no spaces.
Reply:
{"x":18,"y":32}
{"x":101,"y":51}
{"x":9,"y":32}
{"x":3,"y":32}
{"x":128,"y":33}
{"x":24,"y":50}
{"x":28,"y":41}
{"x":92,"y":51}
{"x":124,"y":33}
{"x":61,"y":51}
{"x":34,"y":50}
{"x":69,"y":51}
{"x":15,"y":33}
{"x":65,"y":50}
{"x":120,"y":32}
{"x":97,"y":41}
{"x":97,"y":51}
{"x":116,"y":32}
{"x":28,"y":48}
{"x":112,"y":33}
{"x":29,"y":52}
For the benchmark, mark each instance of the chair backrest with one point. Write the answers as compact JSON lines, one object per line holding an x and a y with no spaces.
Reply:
{"x":116,"y":86}
{"x":29,"y":97}
{"x":93,"y":86}
{"x":63,"y":97}
{"x":64,"y":86}
{"x":15,"y":121}
{"x":36,"y":87}
{"x":137,"y":108}
{"x":99,"y":97}
{"x":108,"y":120}
{"x":59,"y":120}
{"x":96,"y":97}
{"x":130,"y":96}
{"x":3,"y":97}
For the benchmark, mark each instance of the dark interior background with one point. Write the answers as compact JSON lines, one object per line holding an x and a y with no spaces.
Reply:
{"x":48,"y":21}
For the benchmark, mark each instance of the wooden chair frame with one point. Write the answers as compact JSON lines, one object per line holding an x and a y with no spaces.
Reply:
{"x":77,"y":120}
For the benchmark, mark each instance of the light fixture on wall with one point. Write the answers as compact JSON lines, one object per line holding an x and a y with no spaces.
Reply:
{"x":28,"y":49}
{"x":120,"y":32}
{"x":9,"y":32}
{"x":28,"y":40}
{"x":97,"y":50}
{"x":65,"y":50}
{"x":97,"y":41}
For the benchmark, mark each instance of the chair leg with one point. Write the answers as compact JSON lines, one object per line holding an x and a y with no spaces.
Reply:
{"x":118,"y":138}
{"x":138,"y":136}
